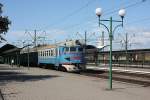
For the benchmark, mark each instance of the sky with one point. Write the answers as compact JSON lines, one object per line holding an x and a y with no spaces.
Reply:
{"x":58,"y":20}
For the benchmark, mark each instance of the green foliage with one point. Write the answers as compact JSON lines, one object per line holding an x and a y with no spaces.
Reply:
{"x":4,"y":24}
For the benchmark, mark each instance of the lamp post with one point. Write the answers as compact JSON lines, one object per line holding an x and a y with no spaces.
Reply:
{"x":110,"y":30}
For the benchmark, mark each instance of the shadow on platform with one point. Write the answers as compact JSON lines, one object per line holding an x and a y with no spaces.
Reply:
{"x":10,"y":68}
{"x":11,"y":76}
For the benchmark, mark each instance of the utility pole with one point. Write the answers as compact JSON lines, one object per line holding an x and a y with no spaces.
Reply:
{"x":85,"y":40}
{"x":35,"y":39}
{"x":126,"y":48}
{"x":102,"y":40}
{"x":28,"y":57}
{"x":126,"y":42}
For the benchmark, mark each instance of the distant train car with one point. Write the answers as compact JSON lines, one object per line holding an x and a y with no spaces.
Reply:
{"x":29,"y":55}
{"x":68,"y":58}
{"x":33,"y":59}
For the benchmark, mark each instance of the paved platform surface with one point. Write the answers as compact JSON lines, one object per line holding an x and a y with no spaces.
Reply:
{"x":42,"y":84}
{"x":120,"y":69}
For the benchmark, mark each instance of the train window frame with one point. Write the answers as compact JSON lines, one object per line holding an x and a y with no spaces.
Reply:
{"x":51,"y":52}
{"x":46,"y":53}
{"x":54,"y":52}
{"x":73,"y":49}
{"x":79,"y":49}
{"x":43,"y":53}
{"x":66,"y":49}
{"x":40,"y":53}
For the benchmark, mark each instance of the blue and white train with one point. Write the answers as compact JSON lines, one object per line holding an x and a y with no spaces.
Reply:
{"x":67,"y":58}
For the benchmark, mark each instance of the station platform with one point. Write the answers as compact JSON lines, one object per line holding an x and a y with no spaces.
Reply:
{"x":120,"y":69}
{"x":45,"y":84}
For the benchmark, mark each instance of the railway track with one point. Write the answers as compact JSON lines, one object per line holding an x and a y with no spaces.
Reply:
{"x":122,"y":76}
{"x":135,"y":78}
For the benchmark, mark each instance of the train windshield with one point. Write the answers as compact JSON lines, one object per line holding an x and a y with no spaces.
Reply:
{"x":72,"y":49}
{"x":80,"y":49}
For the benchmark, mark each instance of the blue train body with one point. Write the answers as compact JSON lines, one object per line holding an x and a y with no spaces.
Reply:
{"x":61,"y":56}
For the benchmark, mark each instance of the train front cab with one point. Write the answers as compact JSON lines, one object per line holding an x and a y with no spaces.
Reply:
{"x":71,"y":58}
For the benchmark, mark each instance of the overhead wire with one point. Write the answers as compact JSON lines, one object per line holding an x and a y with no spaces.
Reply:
{"x":61,"y":20}
{"x":80,"y":9}
{"x":108,"y":13}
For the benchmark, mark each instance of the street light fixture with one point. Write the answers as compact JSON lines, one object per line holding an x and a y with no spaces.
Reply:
{"x":122,"y":12}
{"x":110,"y":30}
{"x":98,"y":11}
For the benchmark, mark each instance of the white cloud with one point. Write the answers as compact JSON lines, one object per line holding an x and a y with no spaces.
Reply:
{"x":141,"y":36}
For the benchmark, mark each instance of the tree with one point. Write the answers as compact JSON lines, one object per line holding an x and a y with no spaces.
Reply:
{"x":4,"y":24}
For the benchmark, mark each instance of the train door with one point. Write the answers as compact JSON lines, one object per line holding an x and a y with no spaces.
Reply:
{"x":57,"y":61}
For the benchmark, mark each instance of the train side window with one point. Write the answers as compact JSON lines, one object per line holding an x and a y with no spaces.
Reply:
{"x":44,"y":53}
{"x":47,"y":52}
{"x":51,"y":52}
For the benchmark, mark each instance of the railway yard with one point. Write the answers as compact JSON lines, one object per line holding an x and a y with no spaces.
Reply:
{"x":21,"y":83}
{"x":139,"y":76}
{"x":74,"y":50}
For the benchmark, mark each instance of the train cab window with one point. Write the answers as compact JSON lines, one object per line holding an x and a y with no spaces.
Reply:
{"x":80,"y":49}
{"x":72,"y":49}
